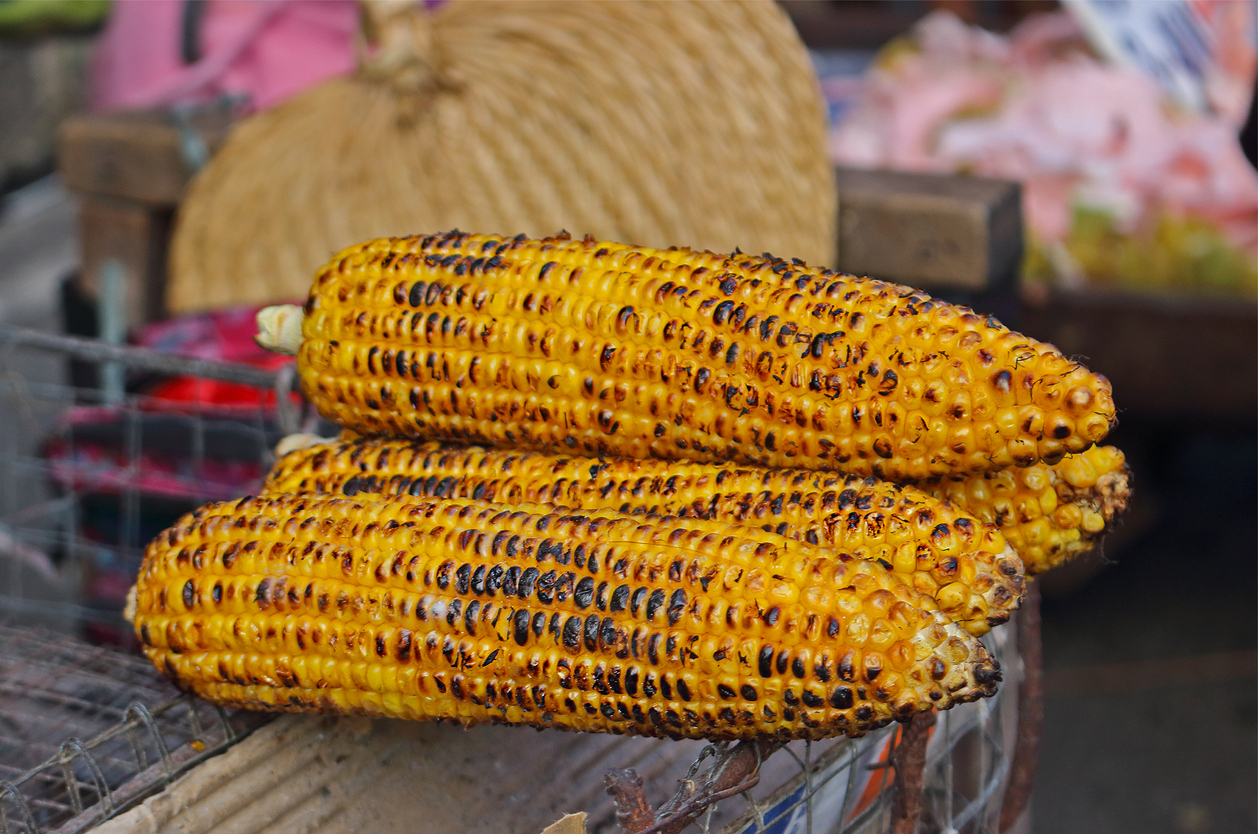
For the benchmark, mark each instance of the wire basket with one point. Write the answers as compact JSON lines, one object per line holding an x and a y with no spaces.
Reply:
{"x":88,"y":729}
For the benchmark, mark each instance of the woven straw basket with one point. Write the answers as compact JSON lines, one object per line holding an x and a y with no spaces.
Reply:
{"x":658,"y":123}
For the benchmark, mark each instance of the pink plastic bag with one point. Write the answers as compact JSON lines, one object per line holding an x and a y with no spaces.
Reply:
{"x":267,"y":50}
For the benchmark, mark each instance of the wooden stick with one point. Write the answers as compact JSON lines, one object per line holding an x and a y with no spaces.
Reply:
{"x":909,"y":760}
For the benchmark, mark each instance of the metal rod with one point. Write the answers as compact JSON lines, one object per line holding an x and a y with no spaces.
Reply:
{"x":137,"y":357}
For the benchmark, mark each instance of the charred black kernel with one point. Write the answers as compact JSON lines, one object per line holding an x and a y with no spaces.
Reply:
{"x":620,"y":598}
{"x":513,"y":547}
{"x":1002,"y":381}
{"x":493,"y":580}
{"x":721,"y":314}
{"x":539,"y":623}
{"x":937,"y":669}
{"x":653,"y":649}
{"x":748,"y":692}
{"x":731,"y":355}
{"x":528,"y":581}
{"x":683,"y":690}
{"x":463,"y":578}
{"x":469,"y":619}
{"x":510,"y":580}
{"x":726,"y":715}
{"x":600,"y":596}
{"x":545,"y":270}
{"x":607,"y":632}
{"x":546,"y":587}
{"x":443,"y":575}
{"x":701,"y":378}
{"x":766,"y":661}
{"x":262,"y":597}
{"x":771,"y":616}
{"x":790,"y":697}
{"x":987,"y":673}
{"x":631,"y":680}
{"x":453,"y":612}
{"x":728,"y":284}
{"x":822,"y":671}
{"x":811,"y":700}
{"x":676,"y":606}
{"x":847,"y":671}
{"x":216,"y":593}
{"x":653,"y":604}
{"x":613,"y":680}
{"x":583,"y":596}
{"x":478,"y":580}
{"x":416,"y":296}
{"x":832,"y":627}
{"x":864,"y":713}
{"x":592,"y":623}
{"x":648,"y":685}
{"x":666,"y":689}
{"x":572,"y":632}
{"x":724,"y":691}
{"x":190,"y":592}
{"x":635,"y":602}
{"x":521,"y":624}
{"x":841,"y":698}
{"x":784,"y":660}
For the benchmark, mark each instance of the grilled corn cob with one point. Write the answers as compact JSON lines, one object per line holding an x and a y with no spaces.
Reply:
{"x":1049,"y":514}
{"x":601,"y":348}
{"x":963,"y":564}
{"x":580,"y":620}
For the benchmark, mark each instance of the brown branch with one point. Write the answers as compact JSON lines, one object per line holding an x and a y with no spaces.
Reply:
{"x":734,"y":771}
{"x":909,"y":760}
{"x":1026,"y":754}
{"x":633,"y":812}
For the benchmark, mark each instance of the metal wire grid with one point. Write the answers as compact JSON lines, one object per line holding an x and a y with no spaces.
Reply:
{"x":107,"y":448}
{"x":139,"y":734}
{"x":87,"y":732}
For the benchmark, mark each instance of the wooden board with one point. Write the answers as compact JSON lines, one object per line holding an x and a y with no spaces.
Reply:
{"x":930,"y":230}
{"x":133,"y":155}
{"x":136,"y":237}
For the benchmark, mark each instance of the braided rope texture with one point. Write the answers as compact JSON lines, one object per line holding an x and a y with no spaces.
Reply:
{"x":663,"y":123}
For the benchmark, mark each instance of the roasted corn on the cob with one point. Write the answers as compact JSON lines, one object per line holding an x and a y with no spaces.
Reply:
{"x":601,"y":348}
{"x":587,"y":620}
{"x":964,"y":564}
{"x":1049,"y":514}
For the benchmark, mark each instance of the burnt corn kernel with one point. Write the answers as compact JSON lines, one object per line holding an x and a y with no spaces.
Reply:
{"x":1049,"y":513}
{"x":929,"y":544}
{"x":554,"y":348}
{"x":403,"y":609}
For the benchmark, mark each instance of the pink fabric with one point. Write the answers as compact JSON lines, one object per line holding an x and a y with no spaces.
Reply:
{"x":268,"y":50}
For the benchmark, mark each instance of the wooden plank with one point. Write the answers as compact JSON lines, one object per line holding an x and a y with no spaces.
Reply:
{"x":306,"y":773}
{"x":133,"y":156}
{"x":930,"y":230}
{"x":1168,"y":356}
{"x":136,"y":236}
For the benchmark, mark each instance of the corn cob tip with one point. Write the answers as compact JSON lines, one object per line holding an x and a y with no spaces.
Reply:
{"x":279,"y":328}
{"x":296,"y":442}
{"x":128,"y":608}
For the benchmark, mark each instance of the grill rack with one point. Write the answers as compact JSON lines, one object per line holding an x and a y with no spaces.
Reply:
{"x":125,"y":733}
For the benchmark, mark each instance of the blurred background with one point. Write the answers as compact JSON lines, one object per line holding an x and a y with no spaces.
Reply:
{"x":1084,"y":169}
